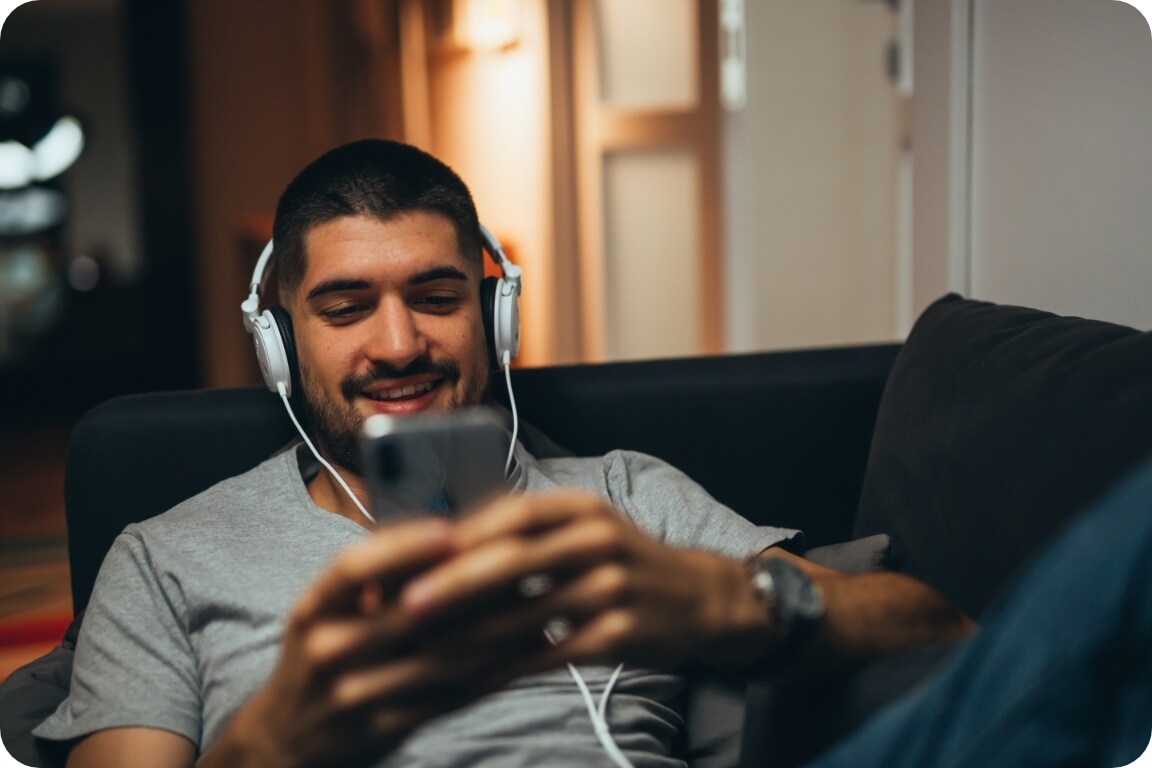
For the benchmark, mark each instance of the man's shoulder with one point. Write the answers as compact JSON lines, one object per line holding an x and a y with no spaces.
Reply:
{"x":266,"y":486}
{"x":618,"y":456}
{"x":617,"y":460}
{"x":603,"y":472}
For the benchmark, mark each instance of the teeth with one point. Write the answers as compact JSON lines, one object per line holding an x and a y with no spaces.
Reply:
{"x":398,"y":392}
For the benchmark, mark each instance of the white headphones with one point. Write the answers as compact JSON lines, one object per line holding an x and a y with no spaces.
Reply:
{"x":276,"y":345}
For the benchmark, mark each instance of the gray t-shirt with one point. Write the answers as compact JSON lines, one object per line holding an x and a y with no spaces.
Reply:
{"x":185,"y":620}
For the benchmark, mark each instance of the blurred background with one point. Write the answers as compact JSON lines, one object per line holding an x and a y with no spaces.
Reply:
{"x":676,"y":177}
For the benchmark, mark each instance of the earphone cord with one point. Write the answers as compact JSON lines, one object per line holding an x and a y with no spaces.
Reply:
{"x":515,"y":416}
{"x":325,"y":464}
{"x":599,"y":716}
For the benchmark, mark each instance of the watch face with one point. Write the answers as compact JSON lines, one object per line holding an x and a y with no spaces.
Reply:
{"x":797,"y":598}
{"x":810,"y":602}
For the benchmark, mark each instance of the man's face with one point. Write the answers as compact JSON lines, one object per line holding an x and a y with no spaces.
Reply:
{"x":387,"y":320}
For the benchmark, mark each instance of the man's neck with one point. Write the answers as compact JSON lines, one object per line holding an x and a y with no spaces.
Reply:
{"x":329,"y":496}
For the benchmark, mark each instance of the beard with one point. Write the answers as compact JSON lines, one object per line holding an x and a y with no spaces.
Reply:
{"x":337,"y":426}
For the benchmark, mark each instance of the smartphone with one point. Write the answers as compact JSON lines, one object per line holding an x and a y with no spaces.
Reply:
{"x":440,"y":463}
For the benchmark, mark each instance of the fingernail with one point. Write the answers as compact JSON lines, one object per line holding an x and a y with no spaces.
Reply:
{"x":437,"y":527}
{"x":417,"y":596}
{"x":436,"y":533}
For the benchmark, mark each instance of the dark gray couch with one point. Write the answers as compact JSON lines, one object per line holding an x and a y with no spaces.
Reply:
{"x":966,"y":447}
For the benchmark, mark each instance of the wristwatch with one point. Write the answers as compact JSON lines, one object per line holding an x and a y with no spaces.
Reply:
{"x":794,"y":602}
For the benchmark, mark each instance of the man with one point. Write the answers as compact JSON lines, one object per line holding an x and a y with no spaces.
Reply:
{"x":265,"y":623}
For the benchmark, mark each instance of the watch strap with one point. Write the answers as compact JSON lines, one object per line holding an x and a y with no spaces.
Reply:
{"x":794,"y":602}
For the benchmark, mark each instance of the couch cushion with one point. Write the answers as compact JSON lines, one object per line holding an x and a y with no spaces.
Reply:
{"x":871,"y":553}
{"x":997,"y":423}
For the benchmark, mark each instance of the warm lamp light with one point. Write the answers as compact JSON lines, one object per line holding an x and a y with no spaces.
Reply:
{"x":487,"y":25}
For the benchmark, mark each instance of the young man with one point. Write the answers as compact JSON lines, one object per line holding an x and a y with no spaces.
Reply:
{"x":265,"y":622}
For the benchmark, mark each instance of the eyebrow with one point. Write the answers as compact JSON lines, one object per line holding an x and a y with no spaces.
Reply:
{"x":335,"y":286}
{"x":339,"y":284}
{"x":437,"y":273}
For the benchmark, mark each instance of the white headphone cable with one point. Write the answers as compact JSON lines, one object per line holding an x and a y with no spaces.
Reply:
{"x":598,"y":715}
{"x":515,"y":416}
{"x":325,"y":464}
{"x":607,"y":692}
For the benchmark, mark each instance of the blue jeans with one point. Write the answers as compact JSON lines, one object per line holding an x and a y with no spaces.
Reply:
{"x":1059,"y":675}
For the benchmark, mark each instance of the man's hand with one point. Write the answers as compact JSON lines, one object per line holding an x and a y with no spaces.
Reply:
{"x":625,"y":595}
{"x":355,"y":674}
{"x":628,"y":597}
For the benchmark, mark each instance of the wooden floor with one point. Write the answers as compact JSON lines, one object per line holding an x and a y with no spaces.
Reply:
{"x":35,"y":597}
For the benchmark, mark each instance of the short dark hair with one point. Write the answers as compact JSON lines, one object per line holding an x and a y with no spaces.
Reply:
{"x":373,"y":177}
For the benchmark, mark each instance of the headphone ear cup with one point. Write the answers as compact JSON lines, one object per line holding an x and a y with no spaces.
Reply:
{"x":501,"y":320}
{"x":287,"y":335}
{"x":275,"y":348}
{"x":488,"y":294}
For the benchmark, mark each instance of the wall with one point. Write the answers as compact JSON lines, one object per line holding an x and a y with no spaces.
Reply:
{"x":273,"y":91}
{"x":263,"y":109}
{"x":490,"y":122}
{"x":1061,"y":184}
{"x":939,"y":109}
{"x":1033,"y":169}
{"x":810,"y":179}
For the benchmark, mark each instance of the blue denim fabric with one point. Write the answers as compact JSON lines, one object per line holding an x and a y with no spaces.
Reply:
{"x":1059,"y":675}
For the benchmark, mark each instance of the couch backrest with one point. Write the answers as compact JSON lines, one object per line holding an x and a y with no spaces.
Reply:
{"x":780,"y":437}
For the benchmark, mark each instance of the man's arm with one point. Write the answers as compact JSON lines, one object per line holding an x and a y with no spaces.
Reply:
{"x":133,"y":748}
{"x":631,"y":597}
{"x":873,"y":614}
{"x":353,"y":679}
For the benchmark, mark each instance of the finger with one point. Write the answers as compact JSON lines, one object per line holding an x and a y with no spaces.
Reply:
{"x":388,"y":557}
{"x":426,"y":677}
{"x":526,"y":514}
{"x":498,"y":566}
{"x":388,"y":725}
{"x":522,"y":623}
{"x":614,"y":636}
{"x":342,"y":643}
{"x":614,"y":610}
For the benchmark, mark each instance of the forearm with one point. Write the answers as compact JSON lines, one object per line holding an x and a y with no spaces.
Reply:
{"x":870,"y":615}
{"x":244,"y":744}
{"x":865,"y":616}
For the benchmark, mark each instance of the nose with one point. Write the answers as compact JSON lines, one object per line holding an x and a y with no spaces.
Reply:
{"x":395,"y":337}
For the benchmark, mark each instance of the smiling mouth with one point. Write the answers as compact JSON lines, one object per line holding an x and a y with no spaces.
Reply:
{"x":406,"y":392}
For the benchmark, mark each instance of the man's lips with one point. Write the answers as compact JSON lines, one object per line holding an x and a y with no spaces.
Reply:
{"x":400,"y":392}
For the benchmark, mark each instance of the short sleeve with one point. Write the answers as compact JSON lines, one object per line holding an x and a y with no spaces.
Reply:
{"x":670,"y":506}
{"x":134,"y":664}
